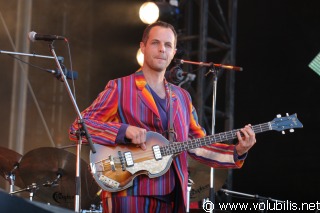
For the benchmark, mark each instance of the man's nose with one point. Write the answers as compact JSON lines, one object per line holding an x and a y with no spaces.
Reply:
{"x":161,"y":48}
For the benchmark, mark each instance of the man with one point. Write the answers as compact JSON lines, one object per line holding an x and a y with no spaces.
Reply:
{"x":144,"y":101}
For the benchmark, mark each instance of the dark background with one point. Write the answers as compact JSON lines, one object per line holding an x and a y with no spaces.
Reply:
{"x":276,"y":40}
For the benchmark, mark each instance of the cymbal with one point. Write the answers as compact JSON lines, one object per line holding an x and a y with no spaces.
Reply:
{"x":200,"y":175}
{"x":54,"y":172}
{"x":9,"y":162}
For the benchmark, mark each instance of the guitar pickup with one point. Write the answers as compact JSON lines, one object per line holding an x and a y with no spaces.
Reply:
{"x":109,"y":182}
{"x":157,"y":152}
{"x":129,"y":159}
{"x":113,"y":168}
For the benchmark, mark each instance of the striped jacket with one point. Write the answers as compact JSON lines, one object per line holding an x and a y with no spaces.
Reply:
{"x":128,"y":100}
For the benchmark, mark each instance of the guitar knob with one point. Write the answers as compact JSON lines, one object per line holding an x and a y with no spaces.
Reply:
{"x":287,"y":114}
{"x":279,"y":116}
{"x":291,"y":130}
{"x":283,"y":132}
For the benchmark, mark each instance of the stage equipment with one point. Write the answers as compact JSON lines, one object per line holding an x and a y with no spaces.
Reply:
{"x":82,"y":131}
{"x":264,"y":202}
{"x":11,"y":203}
{"x":33,"y":36}
{"x":175,"y":75}
{"x":258,"y":197}
{"x":151,"y":12}
{"x":140,"y":57}
{"x":50,"y":175}
{"x":68,"y":73}
{"x":213,"y":68}
{"x":200,"y":176}
{"x":210,"y":65}
{"x":9,"y":167}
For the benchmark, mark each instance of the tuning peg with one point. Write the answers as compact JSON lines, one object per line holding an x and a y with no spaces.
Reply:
{"x":291,"y":130}
{"x":279,"y":116}
{"x":283,"y":132}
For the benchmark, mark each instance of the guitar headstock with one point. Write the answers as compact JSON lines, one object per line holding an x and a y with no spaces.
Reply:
{"x":283,"y":123}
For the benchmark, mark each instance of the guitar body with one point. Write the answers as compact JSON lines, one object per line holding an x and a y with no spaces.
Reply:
{"x":114,"y":172}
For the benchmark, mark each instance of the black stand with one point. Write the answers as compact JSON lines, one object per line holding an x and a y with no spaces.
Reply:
{"x":213,"y":68}
{"x":261,"y":199}
{"x":83,"y":130}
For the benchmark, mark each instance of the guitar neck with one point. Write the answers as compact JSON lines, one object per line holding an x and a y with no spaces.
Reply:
{"x":175,"y":148}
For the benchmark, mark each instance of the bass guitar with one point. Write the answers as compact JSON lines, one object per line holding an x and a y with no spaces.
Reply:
{"x":114,"y":168}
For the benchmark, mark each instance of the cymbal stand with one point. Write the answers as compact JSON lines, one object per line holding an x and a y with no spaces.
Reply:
{"x":12,"y":179}
{"x":190,"y":182}
{"x":83,"y":130}
{"x":11,"y":176}
{"x":31,"y":189}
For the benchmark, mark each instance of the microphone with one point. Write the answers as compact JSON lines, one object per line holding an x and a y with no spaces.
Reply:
{"x":175,"y":75}
{"x":73,"y":75}
{"x":33,"y":36}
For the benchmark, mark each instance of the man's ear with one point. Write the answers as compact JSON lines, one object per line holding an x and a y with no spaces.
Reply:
{"x":175,"y":51}
{"x":142,"y":47}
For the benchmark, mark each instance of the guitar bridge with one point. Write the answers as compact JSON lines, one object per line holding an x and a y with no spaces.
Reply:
{"x":157,"y":152}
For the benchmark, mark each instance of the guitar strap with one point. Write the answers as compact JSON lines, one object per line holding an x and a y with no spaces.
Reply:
{"x":171,"y":130}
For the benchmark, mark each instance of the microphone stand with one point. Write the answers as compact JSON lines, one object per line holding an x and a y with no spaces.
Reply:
{"x":26,"y":54}
{"x":214,"y":68}
{"x":83,"y":129}
{"x":81,"y":132}
{"x":213,"y":124}
{"x":34,"y":55}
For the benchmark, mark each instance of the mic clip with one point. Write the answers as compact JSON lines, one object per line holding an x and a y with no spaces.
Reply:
{"x":58,"y":73}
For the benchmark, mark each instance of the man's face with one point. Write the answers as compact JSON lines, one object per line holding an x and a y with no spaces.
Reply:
{"x":159,"y":49}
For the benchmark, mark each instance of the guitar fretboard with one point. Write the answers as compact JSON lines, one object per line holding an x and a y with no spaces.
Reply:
{"x":175,"y":148}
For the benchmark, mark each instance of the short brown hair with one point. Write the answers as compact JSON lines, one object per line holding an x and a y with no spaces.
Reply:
{"x":146,"y":32}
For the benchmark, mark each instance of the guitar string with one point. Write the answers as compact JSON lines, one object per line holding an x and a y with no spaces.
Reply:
{"x":195,"y":143}
{"x":178,"y":147}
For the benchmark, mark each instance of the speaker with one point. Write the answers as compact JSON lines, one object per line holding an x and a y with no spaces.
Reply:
{"x":12,"y":203}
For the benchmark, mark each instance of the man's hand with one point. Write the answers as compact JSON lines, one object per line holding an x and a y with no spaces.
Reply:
{"x":245,"y":141}
{"x":137,"y":136}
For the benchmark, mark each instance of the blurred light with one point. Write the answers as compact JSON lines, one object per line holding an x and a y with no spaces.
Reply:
{"x":140,"y":57}
{"x":149,"y":12}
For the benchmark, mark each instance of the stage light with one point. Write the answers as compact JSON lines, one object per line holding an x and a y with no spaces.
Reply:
{"x":140,"y":57}
{"x":151,"y":12}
